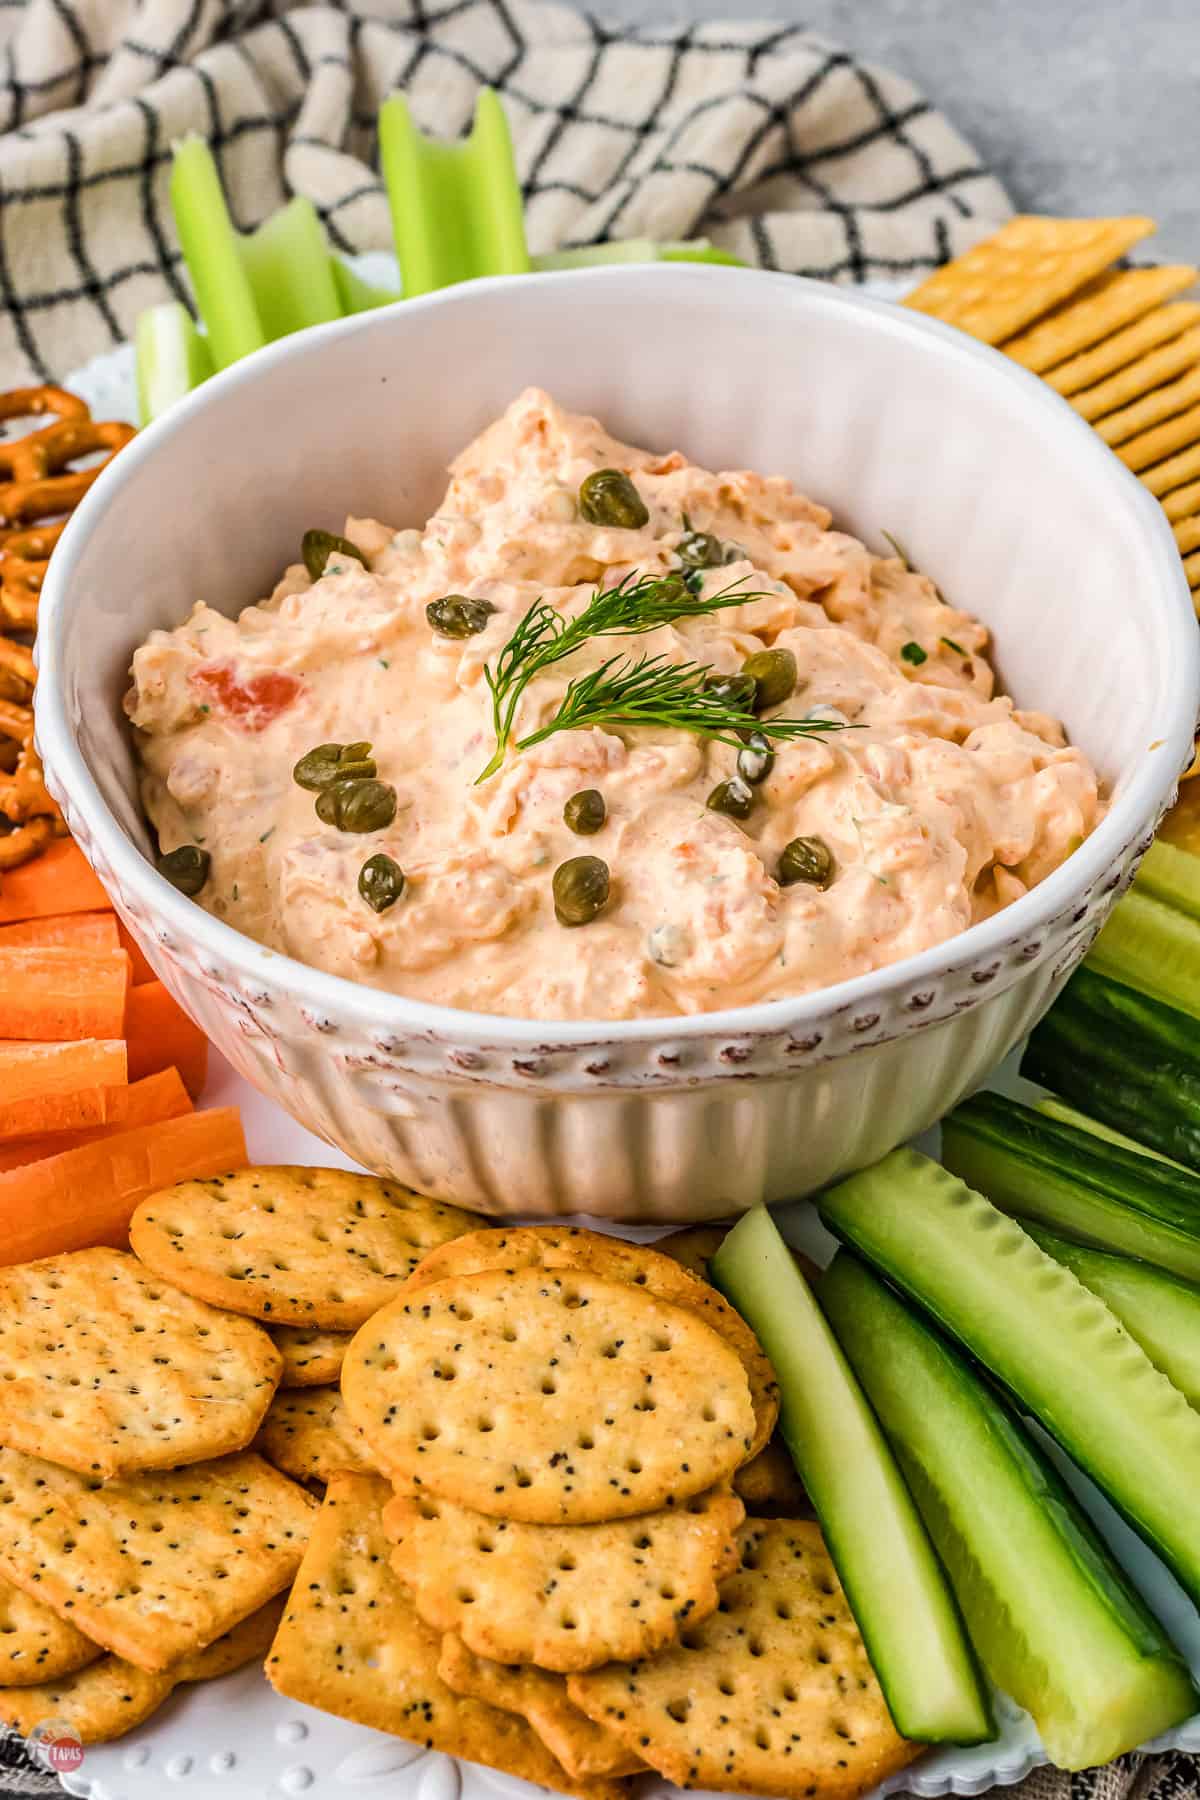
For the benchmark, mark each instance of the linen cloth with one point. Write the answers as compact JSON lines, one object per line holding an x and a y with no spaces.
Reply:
{"x":784,"y":148}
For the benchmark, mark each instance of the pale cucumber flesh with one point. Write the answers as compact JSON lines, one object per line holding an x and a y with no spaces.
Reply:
{"x":1042,"y":1334}
{"x":1054,"y":1620}
{"x":1159,"y":1311}
{"x":892,"y":1579}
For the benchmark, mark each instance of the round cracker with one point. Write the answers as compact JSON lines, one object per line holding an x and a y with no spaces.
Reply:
{"x":549,"y":1396}
{"x":311,"y":1358}
{"x":613,"y":1259}
{"x":307,"y":1434}
{"x":105,"y":1368}
{"x":773,"y":1694}
{"x":564,"y":1597}
{"x":294,"y":1246}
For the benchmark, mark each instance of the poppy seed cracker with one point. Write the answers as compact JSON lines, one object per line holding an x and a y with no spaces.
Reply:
{"x":614,"y":1259}
{"x":308,"y":1434}
{"x":111,"y":1697}
{"x":556,"y":1398}
{"x":352,"y":1643}
{"x":564,"y":1597}
{"x":292,"y":1246}
{"x":35,"y":1644}
{"x":582,"y":1747}
{"x":106,"y":1368}
{"x":156,"y":1565}
{"x":311,"y":1358}
{"x":773,"y":1694}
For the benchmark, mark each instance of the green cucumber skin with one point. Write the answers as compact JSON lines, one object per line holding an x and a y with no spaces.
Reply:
{"x":853,"y":1480}
{"x":1026,"y":1192}
{"x":1053,"y":1108}
{"x":1129,"y":1060}
{"x":1037,"y":1166}
{"x":1054,"y":1345}
{"x":1159,"y":1311}
{"x":1063,"y":1631}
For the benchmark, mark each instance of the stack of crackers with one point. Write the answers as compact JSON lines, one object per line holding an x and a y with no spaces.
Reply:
{"x":144,"y":1541}
{"x":141,"y":1544}
{"x":539,"y":1560}
{"x":1117,"y":343}
{"x":532,"y":1550}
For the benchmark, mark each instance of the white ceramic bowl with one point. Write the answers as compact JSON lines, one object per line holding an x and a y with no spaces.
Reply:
{"x":992,"y":484}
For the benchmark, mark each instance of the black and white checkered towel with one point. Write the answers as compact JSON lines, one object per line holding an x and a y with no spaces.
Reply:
{"x":782,"y":147}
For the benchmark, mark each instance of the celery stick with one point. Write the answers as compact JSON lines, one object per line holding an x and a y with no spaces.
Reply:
{"x":172,"y":358}
{"x":287,"y":261}
{"x":635,"y":250}
{"x":212,"y":251}
{"x":591,"y":256}
{"x":456,"y":208}
{"x":698,"y":250}
{"x":355,"y":294}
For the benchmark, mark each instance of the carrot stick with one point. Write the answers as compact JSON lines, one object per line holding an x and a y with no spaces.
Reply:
{"x":59,"y":993}
{"x":147,"y":1102}
{"x":51,"y":1113}
{"x":142,"y":970}
{"x":30,"y":1070}
{"x":85,"y":930}
{"x":58,"y":881}
{"x":87,"y":1196}
{"x":159,"y":1033}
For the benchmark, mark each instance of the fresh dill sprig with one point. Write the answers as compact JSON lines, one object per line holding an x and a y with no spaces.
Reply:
{"x":544,"y":636}
{"x":656,"y":691}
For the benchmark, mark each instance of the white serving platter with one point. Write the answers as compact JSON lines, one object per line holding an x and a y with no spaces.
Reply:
{"x":237,"y":1739}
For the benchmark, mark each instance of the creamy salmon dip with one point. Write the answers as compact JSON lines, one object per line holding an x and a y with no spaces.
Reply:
{"x":938,"y":804}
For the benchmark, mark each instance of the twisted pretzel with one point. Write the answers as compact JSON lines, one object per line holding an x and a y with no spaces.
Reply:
{"x":40,"y":486}
{"x":24,"y":554}
{"x":41,"y":483}
{"x":23,"y":795}
{"x":32,"y":402}
{"x":26,"y":842}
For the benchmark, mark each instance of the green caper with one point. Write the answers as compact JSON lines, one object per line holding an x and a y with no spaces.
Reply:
{"x":740,"y":691}
{"x":732,"y":797}
{"x":187,"y":868}
{"x":774,"y":672}
{"x":756,"y":761}
{"x":608,"y":497}
{"x":357,"y":805}
{"x":700,"y":550}
{"x":456,"y":616}
{"x":326,"y":763}
{"x":316,"y":547}
{"x":586,"y":812}
{"x":671,"y":588}
{"x":380,"y":882}
{"x":580,"y":889}
{"x":806,"y":859}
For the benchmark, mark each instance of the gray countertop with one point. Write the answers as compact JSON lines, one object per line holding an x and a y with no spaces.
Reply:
{"x":1080,"y":106}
